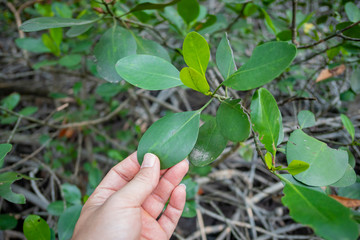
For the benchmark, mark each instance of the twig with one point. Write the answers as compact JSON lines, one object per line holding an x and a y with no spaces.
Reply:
{"x":293,"y":24}
{"x":78,"y":157}
{"x":35,"y":187}
{"x":14,"y":130}
{"x":201,"y":224}
{"x":336,"y":34}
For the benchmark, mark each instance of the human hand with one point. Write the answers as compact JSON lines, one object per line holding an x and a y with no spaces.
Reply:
{"x":129,"y":200}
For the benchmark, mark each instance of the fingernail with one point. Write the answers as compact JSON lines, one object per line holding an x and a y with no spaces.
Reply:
{"x":149,"y":160}
{"x":183,"y":185}
{"x":187,"y":160}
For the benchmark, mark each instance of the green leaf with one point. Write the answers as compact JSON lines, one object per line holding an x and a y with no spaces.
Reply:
{"x":6,"y":179}
{"x":56,"y":208}
{"x":34,"y":45}
{"x":27,"y":111}
{"x":326,"y":216}
{"x":209,"y":145}
{"x":196,"y":52}
{"x":306,"y":119}
{"x":265,"y":117}
{"x":148,"y":72}
{"x":71,"y":60}
{"x":352,"y":11}
{"x":225,"y":58}
{"x":348,"y":125}
{"x":269,"y":160}
{"x":109,"y":90}
{"x":194,"y":80}
{"x":232,"y":121}
{"x":349,"y":178}
{"x":161,"y":139}
{"x":149,"y":47}
{"x":296,"y":167}
{"x":50,"y":44}
{"x":151,"y":6}
{"x":67,"y":222}
{"x":326,"y":165}
{"x":189,"y":209}
{"x":352,"y":191}
{"x":7,"y":222}
{"x":41,"y":23}
{"x":78,"y":30}
{"x":351,"y":159}
{"x":297,"y":183}
{"x":116,"y":43}
{"x":36,"y":228}
{"x":188,"y":9}
{"x":61,"y":10}
{"x":72,"y":193}
{"x":267,"y":62}
{"x":355,"y":81}
{"x":192,"y":188}
{"x":11,"y":101}
{"x":353,"y":32}
{"x":5,"y":148}
{"x":268,"y":22}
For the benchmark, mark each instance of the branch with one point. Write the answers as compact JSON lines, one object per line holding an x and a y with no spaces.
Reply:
{"x":293,"y":24}
{"x":336,"y":34}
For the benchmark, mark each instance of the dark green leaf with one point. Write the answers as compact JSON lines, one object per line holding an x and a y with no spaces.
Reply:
{"x":225,"y":58}
{"x":171,"y":138}
{"x":353,"y":32}
{"x":67,"y":222}
{"x":6,"y":179}
{"x":151,"y":6}
{"x":4,"y":149}
{"x":196,"y":52}
{"x":352,"y":191}
{"x":267,"y":62}
{"x":326,"y":216}
{"x":232,"y":120}
{"x":188,"y":9}
{"x":71,"y":60}
{"x":7,"y":222}
{"x":11,"y":101}
{"x":209,"y":145}
{"x":306,"y":119}
{"x":78,"y":30}
{"x":116,"y":43}
{"x":56,"y":208}
{"x":189,"y":209}
{"x":348,"y":125}
{"x":296,"y":167}
{"x":297,"y":183}
{"x":149,"y":47}
{"x":36,"y":228}
{"x":349,"y":178}
{"x":192,"y":188}
{"x":326,"y":165}
{"x":35,"y":45}
{"x":148,"y":72}
{"x":194,"y":80}
{"x":109,"y":90}
{"x":41,"y":23}
{"x":352,"y":11}
{"x":265,"y":117}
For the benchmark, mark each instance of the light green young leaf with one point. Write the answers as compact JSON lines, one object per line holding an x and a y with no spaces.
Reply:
{"x":352,"y":11}
{"x":67,"y":222}
{"x":194,"y":80}
{"x":265,"y":117}
{"x":188,"y":10}
{"x":6,"y":179}
{"x":269,"y":22}
{"x":148,"y":72}
{"x":50,"y":44}
{"x":348,"y":125}
{"x":36,"y":228}
{"x":267,"y":62}
{"x":225,"y":58}
{"x":41,"y":23}
{"x":116,"y":43}
{"x":233,"y":121}
{"x":268,"y":160}
{"x":326,"y":165}
{"x":5,"y":148}
{"x":196,"y":52}
{"x":349,"y":178}
{"x":296,"y":167}
{"x":178,"y":129}
{"x":326,"y":216}
{"x":306,"y":119}
{"x":209,"y":145}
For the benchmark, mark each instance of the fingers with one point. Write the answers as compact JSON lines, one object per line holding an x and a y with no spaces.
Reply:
{"x":115,"y":179}
{"x":141,"y":186}
{"x":155,"y":203}
{"x":172,"y":213}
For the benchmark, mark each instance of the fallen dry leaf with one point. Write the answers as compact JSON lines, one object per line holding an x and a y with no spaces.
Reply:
{"x":328,"y":73}
{"x":347,"y":202}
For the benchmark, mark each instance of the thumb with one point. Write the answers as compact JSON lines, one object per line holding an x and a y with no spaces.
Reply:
{"x":143,"y":184}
